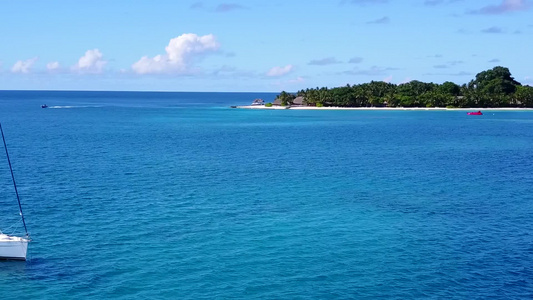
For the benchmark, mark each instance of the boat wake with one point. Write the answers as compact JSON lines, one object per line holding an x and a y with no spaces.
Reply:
{"x":69,"y":106}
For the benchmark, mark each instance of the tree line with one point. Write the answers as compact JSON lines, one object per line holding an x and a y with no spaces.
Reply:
{"x":491,"y":88}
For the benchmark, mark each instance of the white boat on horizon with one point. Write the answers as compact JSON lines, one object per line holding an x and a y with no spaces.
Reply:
{"x":13,"y":247}
{"x":258,"y":102}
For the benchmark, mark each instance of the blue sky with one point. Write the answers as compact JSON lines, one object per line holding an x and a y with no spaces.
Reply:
{"x":248,"y":46}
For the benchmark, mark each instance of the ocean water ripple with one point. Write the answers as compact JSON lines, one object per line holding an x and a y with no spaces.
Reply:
{"x":128,"y":197}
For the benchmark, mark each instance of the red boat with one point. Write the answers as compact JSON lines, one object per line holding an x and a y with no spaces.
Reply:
{"x":475,"y":113}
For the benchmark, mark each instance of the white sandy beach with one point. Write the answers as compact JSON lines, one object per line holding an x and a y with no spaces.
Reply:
{"x":382,"y":108}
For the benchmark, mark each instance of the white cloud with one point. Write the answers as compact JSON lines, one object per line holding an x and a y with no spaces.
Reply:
{"x":355,"y":60}
{"x":52,"y":66}
{"x":91,"y":62}
{"x":225,"y":7}
{"x":279,"y":71}
{"x":23,"y":66}
{"x":297,"y":80}
{"x":505,"y":7}
{"x":324,"y":61}
{"x":383,"y":20}
{"x":180,"y":55}
{"x":406,"y":80}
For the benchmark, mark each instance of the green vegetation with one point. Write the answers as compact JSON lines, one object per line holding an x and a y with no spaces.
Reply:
{"x":285,"y":98}
{"x":492,"y":88}
{"x":269,"y":104}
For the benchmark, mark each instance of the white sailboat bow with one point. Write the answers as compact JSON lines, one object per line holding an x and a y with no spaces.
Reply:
{"x":13,"y":247}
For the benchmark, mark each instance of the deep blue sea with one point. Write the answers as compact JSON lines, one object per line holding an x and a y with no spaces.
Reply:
{"x":131,"y":195}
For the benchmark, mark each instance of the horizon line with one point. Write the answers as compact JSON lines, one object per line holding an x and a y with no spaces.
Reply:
{"x":128,"y":91}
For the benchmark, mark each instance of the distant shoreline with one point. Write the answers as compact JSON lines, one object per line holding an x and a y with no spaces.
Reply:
{"x":383,"y":108}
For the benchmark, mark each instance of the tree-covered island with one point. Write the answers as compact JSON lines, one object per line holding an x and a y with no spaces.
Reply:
{"x":492,"y":88}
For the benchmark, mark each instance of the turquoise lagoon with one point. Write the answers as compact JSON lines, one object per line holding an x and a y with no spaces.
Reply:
{"x":177,"y":196}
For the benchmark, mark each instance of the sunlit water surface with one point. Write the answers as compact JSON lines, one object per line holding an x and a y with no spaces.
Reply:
{"x":178,"y":196}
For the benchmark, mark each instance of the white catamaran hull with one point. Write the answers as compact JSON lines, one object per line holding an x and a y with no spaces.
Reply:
{"x":13,"y":247}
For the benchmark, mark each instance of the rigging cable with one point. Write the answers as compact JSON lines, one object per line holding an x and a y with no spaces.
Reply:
{"x":14,"y":184}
